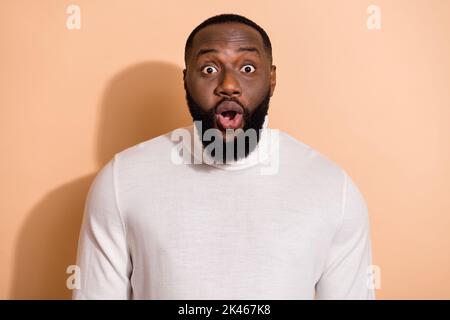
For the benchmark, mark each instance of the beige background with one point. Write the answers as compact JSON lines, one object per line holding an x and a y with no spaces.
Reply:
{"x":375,"y":102}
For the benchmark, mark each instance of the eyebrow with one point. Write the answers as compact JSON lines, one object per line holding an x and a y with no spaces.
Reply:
{"x":241,"y":49}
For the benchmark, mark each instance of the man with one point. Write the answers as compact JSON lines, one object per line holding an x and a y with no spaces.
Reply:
{"x":227,"y":214}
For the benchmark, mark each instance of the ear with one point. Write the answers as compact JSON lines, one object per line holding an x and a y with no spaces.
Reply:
{"x":273,"y":79}
{"x":184,"y":78}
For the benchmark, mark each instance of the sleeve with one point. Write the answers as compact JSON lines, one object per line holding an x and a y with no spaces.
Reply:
{"x":103,"y":258}
{"x":347,"y":273}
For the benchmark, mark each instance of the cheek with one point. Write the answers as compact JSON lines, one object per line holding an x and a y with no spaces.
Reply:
{"x":202,"y":92}
{"x":255,"y":92}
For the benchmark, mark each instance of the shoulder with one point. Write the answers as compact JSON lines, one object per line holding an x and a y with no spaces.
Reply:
{"x":151,"y":149}
{"x":322,"y":176}
{"x":301,"y":158}
{"x":149,"y":157}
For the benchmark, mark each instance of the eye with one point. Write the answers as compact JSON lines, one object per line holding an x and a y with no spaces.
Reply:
{"x":248,"y":68}
{"x":209,"y":70}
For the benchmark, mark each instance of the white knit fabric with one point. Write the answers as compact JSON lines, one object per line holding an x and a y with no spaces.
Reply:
{"x":155,"y":228}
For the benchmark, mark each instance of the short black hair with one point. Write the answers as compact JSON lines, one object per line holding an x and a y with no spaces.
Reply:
{"x":228,"y":18}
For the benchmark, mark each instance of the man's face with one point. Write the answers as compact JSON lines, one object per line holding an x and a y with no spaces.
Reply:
{"x":229,"y":78}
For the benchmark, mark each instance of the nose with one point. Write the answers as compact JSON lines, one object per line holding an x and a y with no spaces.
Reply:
{"x":229,"y":86}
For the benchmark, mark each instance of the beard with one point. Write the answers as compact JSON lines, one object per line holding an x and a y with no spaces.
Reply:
{"x":205,"y":120}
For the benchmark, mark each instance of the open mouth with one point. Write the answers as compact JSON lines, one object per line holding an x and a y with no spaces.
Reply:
{"x":229,"y":115}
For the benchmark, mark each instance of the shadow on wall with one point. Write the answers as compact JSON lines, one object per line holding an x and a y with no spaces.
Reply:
{"x":140,"y":103}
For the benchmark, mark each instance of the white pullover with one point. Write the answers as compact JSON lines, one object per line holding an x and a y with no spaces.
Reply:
{"x":293,"y":227}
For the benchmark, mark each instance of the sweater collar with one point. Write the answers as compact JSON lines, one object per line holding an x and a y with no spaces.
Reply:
{"x":261,"y":153}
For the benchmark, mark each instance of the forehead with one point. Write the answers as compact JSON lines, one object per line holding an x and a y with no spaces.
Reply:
{"x":227,"y":35}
